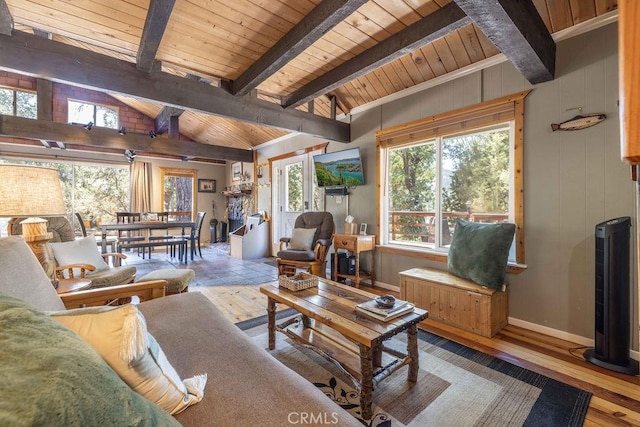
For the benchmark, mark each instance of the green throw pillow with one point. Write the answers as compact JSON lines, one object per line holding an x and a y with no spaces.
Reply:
{"x":479,"y":252}
{"x":50,"y":376}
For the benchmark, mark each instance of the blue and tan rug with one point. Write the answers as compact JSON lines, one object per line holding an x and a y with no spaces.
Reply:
{"x":457,"y":386}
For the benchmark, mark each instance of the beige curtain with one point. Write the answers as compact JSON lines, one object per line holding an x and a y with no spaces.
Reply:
{"x":140,"y":189}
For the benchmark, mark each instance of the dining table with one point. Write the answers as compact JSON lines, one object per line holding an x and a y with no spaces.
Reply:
{"x":149,"y":225}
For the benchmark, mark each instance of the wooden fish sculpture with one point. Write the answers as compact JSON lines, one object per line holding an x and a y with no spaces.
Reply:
{"x":579,"y":122}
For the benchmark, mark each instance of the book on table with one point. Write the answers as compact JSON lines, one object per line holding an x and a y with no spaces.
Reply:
{"x":371,"y":308}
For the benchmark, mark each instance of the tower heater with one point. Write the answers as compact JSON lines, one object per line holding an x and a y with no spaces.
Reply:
{"x":613,"y":298}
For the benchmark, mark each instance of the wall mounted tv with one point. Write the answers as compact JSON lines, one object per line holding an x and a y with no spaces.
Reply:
{"x":339,"y":169}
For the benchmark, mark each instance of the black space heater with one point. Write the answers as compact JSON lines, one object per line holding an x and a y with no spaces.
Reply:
{"x":613,"y":298}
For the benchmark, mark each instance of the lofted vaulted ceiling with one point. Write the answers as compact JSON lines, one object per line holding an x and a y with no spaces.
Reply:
{"x":240,"y":73}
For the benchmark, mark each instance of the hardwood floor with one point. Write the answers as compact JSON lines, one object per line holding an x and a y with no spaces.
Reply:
{"x":616,"y":397}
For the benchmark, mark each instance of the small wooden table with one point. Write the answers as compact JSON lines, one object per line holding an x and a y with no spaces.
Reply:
{"x":330,"y":325}
{"x":70,"y":285}
{"x":355,"y":243}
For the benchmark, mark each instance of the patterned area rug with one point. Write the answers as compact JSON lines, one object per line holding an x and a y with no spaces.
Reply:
{"x":457,"y":386}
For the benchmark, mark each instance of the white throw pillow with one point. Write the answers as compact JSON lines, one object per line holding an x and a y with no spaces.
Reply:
{"x":302,"y":238}
{"x":80,"y":251}
{"x":120,"y":335}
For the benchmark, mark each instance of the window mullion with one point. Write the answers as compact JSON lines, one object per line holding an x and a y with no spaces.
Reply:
{"x":438,"y":205}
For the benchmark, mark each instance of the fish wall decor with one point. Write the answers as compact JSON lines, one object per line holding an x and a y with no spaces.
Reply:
{"x":581,"y":121}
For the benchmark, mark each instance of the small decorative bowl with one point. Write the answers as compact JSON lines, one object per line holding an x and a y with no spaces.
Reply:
{"x":386,"y":301}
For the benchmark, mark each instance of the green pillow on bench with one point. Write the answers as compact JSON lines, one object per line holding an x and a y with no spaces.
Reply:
{"x":479,"y":252}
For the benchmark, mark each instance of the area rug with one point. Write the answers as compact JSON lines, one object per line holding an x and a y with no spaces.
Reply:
{"x":457,"y":386}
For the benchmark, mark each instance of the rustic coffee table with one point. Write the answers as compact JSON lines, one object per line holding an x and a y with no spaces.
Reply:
{"x":329,"y":324}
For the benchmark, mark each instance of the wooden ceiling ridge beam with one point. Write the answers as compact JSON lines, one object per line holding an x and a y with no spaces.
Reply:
{"x":312,"y":27}
{"x":428,"y":29}
{"x":155,"y":25}
{"x":20,"y":127}
{"x":6,"y":20}
{"x":516,"y":28}
{"x":36,"y":56}
{"x":162,"y":120}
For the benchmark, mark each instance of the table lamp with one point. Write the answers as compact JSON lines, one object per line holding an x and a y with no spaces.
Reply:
{"x":30,"y":191}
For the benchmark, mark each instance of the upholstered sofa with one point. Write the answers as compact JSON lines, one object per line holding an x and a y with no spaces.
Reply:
{"x":44,"y":385}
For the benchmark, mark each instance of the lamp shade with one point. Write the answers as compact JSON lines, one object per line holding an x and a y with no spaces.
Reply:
{"x":27,"y":191}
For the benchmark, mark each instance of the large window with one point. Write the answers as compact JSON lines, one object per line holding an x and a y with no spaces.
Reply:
{"x":94,"y":191}
{"x":18,"y":103}
{"x":433,"y":183}
{"x":465,"y":164}
{"x":99,"y":115}
{"x":178,"y":192}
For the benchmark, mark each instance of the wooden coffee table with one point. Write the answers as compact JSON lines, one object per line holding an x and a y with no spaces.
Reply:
{"x":330,"y":325}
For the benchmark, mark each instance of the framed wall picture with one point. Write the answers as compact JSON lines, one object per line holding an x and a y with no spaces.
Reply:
{"x":206,"y":186}
{"x":236,"y":171}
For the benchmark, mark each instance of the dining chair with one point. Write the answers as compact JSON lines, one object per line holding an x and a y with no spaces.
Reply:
{"x":129,"y":236}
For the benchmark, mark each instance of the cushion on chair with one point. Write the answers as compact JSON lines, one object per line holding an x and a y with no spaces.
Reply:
{"x":112,"y":277}
{"x":80,"y":251}
{"x":479,"y":252}
{"x":17,"y":263}
{"x":50,"y":376}
{"x":178,"y":279}
{"x":120,"y":336}
{"x":302,"y":239}
{"x":321,"y":221}
{"x":296,"y":255}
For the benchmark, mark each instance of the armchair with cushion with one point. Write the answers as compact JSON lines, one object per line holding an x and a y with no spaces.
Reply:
{"x":308,"y":245}
{"x":82,"y":258}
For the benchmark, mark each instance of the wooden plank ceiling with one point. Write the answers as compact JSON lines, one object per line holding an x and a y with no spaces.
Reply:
{"x":287,"y":52}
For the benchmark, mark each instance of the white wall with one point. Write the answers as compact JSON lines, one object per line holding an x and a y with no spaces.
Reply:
{"x":573,"y":180}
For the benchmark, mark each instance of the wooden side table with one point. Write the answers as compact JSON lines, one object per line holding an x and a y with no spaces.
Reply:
{"x":71,"y":285}
{"x":355,"y":243}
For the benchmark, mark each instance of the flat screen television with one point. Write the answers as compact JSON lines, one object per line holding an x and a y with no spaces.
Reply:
{"x":339,"y":169}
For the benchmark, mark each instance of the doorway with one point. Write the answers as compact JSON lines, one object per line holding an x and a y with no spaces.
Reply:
{"x":295,"y":191}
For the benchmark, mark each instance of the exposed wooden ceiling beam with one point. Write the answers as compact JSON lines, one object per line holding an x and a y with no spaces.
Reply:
{"x":426,"y":30}
{"x":517,"y":29}
{"x":25,"y":53}
{"x":20,"y":127}
{"x":161,"y":122}
{"x":154,"y":26}
{"x":314,"y":25}
{"x":6,"y":20}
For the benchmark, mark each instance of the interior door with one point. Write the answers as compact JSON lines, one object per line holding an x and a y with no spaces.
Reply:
{"x":295,"y":192}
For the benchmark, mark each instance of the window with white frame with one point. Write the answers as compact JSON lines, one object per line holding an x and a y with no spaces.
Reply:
{"x":431,"y":184}
{"x":18,"y":103}
{"x":465,"y":164}
{"x":85,"y":112}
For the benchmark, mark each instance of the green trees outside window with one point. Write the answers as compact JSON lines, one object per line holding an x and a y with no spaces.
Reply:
{"x":434,"y":183}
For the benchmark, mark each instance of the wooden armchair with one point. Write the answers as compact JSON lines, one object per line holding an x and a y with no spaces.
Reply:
{"x":23,"y":277}
{"x":307,"y":250}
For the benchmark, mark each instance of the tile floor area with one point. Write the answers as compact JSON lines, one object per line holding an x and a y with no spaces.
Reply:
{"x":215,"y":268}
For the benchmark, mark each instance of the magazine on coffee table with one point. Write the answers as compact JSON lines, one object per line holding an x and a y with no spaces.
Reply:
{"x":371,"y":308}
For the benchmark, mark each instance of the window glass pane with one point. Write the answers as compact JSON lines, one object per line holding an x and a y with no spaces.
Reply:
{"x":106,"y":117}
{"x":26,"y":105}
{"x":294,"y":184}
{"x":475,"y":178}
{"x":6,"y":101}
{"x":94,"y":191}
{"x":178,"y":193}
{"x":412,"y":194}
{"x":80,"y":112}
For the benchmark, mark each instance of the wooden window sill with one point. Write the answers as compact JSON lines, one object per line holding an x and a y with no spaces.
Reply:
{"x":512,"y":267}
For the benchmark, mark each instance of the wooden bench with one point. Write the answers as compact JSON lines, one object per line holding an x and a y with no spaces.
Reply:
{"x":456,"y":301}
{"x":177,"y":242}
